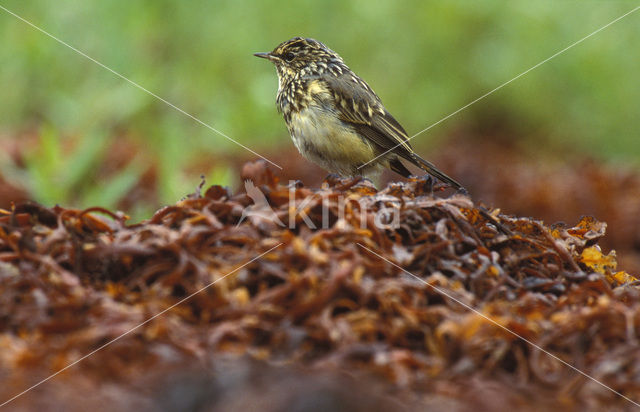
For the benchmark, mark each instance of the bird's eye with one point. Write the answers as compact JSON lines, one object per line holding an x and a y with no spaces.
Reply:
{"x":288,"y":56}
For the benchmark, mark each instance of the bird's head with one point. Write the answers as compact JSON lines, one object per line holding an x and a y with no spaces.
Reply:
{"x":300,"y":56}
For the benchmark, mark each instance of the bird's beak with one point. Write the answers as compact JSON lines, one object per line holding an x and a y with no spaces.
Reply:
{"x":267,"y":56}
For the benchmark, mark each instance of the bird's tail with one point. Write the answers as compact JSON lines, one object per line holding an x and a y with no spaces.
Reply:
{"x":432,"y":170}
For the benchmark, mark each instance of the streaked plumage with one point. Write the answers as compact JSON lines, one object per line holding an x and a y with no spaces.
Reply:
{"x":334,"y":118}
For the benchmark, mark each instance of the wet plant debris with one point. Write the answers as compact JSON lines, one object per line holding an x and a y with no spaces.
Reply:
{"x":342,"y":279}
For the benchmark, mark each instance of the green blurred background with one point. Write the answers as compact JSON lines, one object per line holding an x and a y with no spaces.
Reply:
{"x":65,"y":116}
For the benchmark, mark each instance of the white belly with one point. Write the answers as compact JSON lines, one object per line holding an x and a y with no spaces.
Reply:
{"x":322,"y":138}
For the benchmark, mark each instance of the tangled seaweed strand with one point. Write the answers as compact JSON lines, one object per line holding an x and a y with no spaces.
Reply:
{"x":71,"y":280}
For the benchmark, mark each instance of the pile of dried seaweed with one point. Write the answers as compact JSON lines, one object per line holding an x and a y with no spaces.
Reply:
{"x":318,"y":278}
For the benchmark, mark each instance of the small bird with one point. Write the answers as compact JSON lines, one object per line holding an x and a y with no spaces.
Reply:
{"x":335,"y":119}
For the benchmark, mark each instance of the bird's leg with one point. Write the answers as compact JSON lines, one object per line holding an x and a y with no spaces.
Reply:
{"x":430,"y":182}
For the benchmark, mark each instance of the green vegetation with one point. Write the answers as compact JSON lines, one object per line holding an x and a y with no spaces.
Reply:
{"x":425,"y":59}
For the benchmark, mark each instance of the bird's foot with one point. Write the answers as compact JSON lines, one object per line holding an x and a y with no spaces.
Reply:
{"x":366,"y":180}
{"x":332,"y":179}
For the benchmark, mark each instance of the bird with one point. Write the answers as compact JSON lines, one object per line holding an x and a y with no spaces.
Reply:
{"x":335,"y":119}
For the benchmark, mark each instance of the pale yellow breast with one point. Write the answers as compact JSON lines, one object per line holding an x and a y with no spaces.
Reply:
{"x":322,"y":138}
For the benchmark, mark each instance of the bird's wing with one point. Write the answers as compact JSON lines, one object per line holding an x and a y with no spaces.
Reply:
{"x":359,"y":106}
